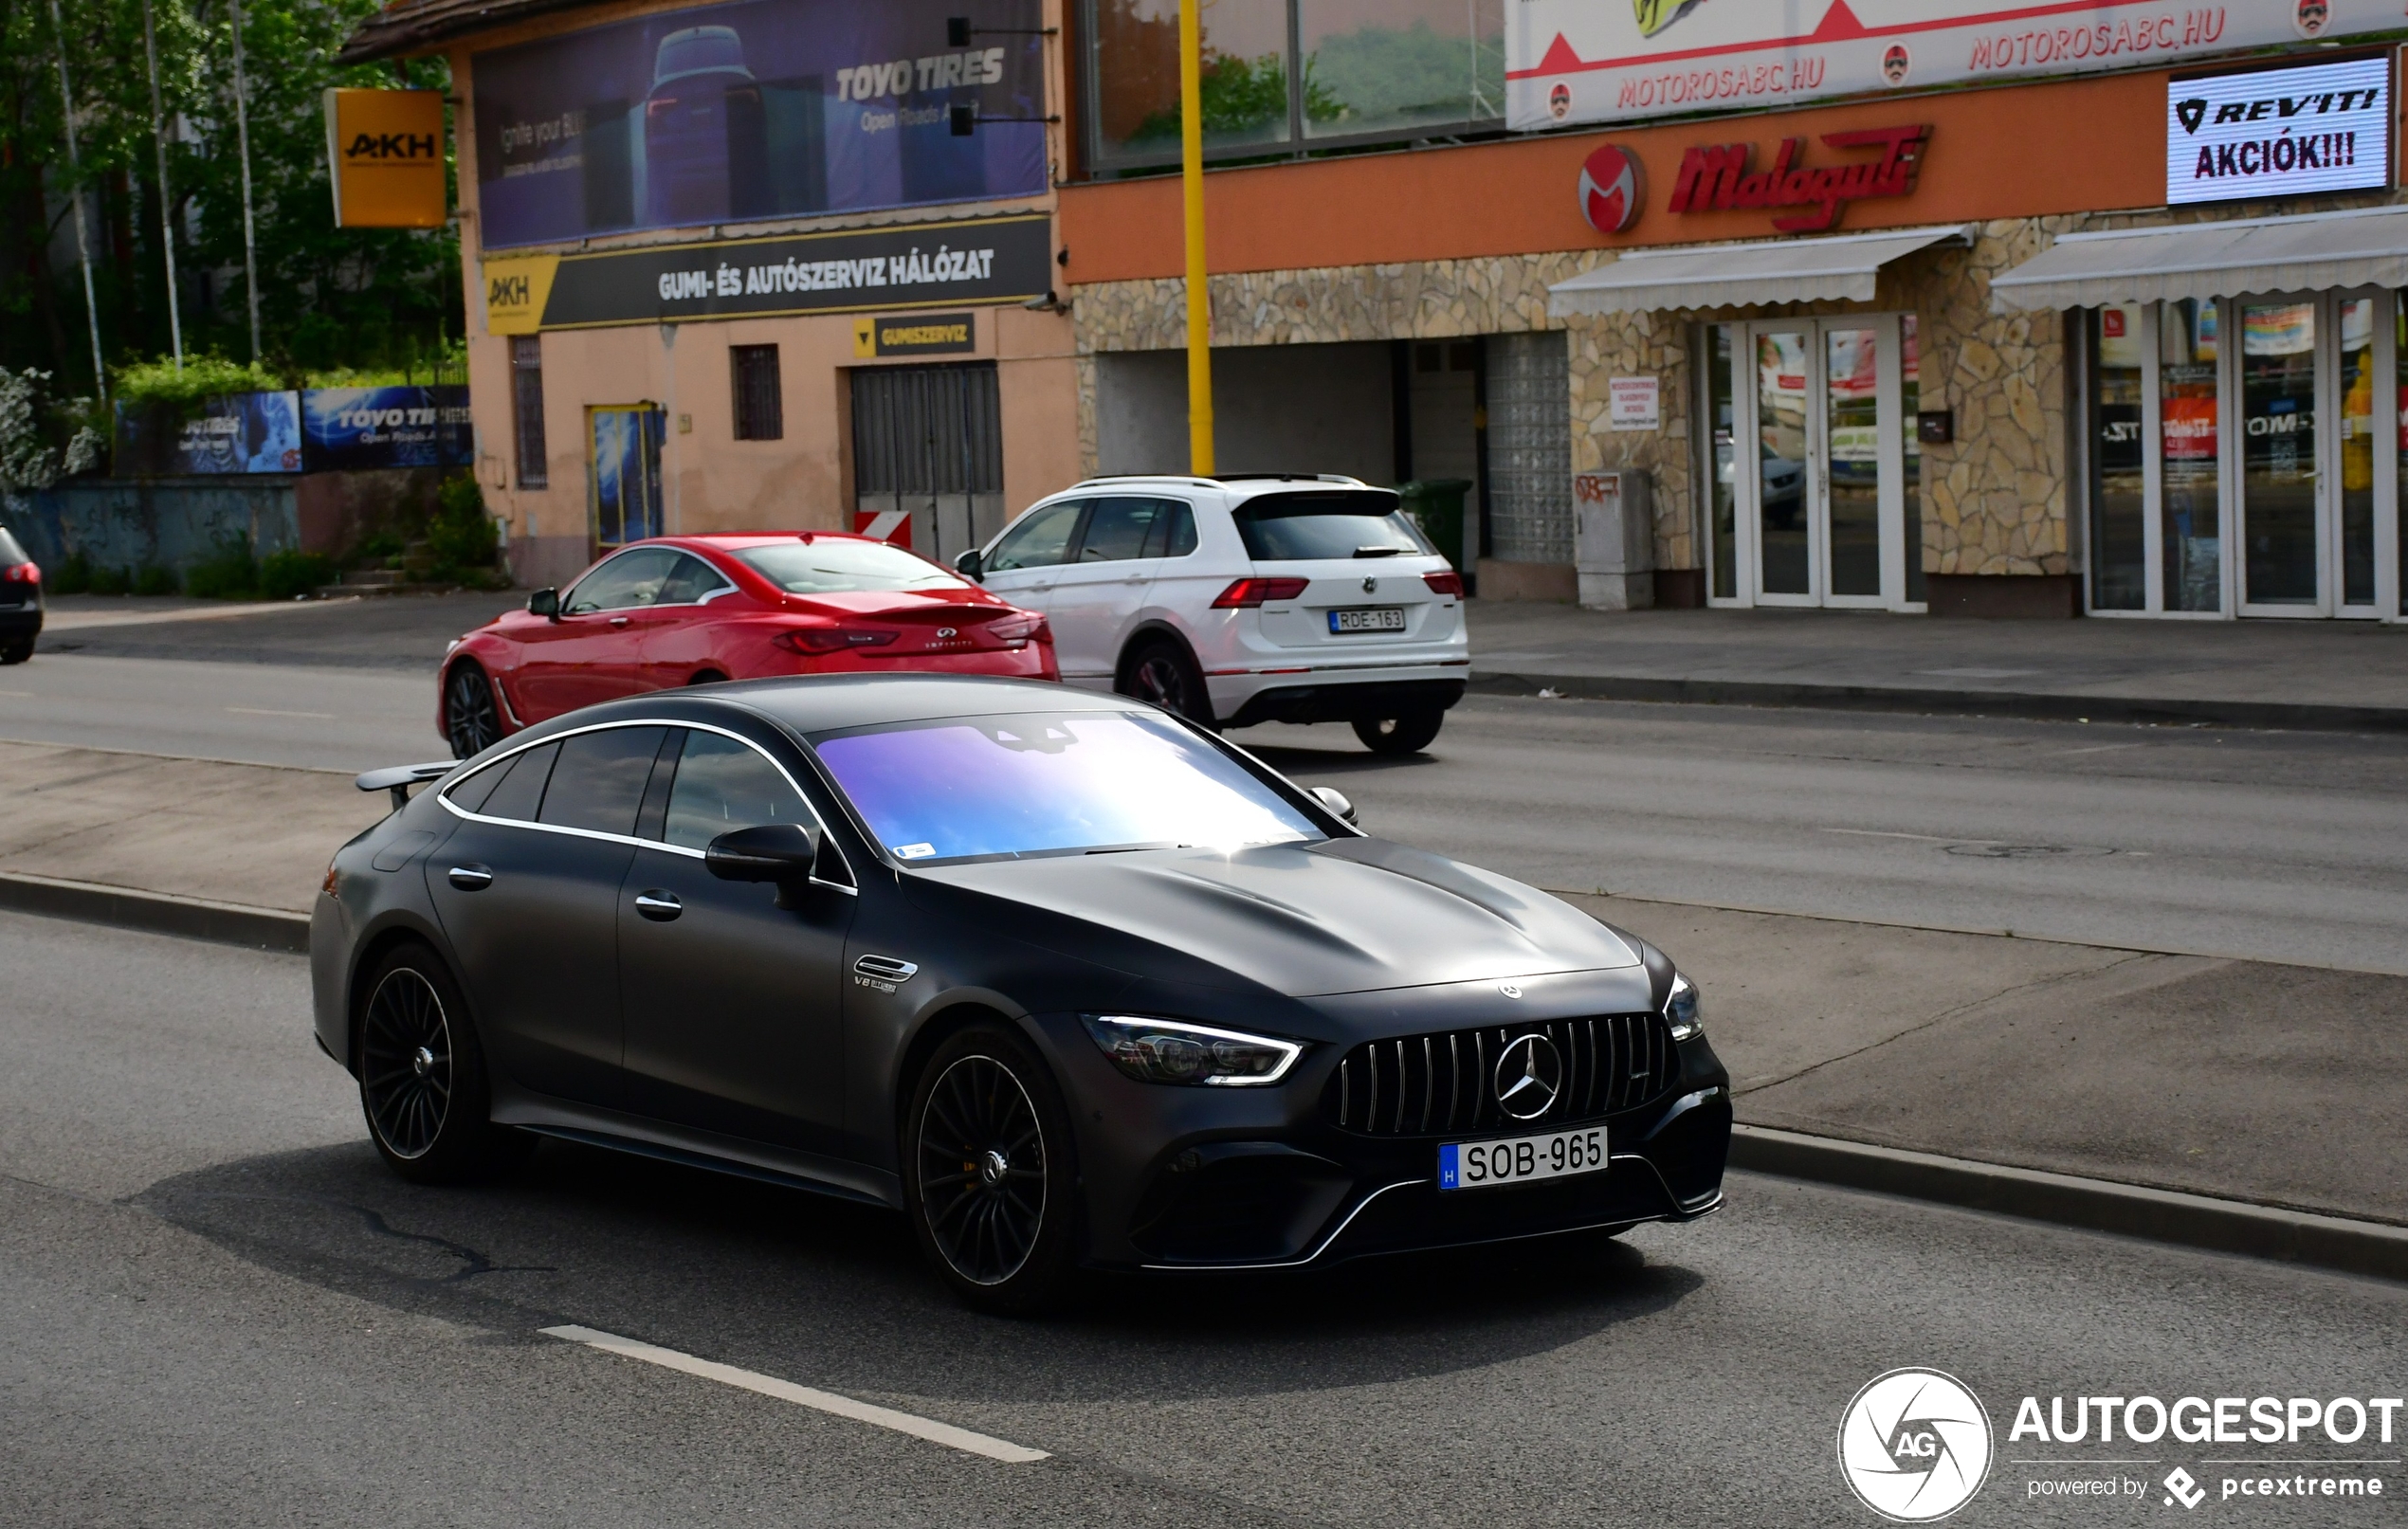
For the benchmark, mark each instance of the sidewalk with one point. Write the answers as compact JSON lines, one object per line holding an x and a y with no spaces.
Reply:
{"x":2346,"y":675}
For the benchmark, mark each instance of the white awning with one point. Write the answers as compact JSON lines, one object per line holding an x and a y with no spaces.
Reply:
{"x":1833,"y":267}
{"x":2310,"y":253}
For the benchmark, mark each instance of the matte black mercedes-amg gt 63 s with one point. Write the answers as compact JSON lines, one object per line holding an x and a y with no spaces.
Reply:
{"x":1066,"y":979}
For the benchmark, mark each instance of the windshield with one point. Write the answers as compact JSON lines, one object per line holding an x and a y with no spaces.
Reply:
{"x":1053,"y":784}
{"x":831,"y":565}
{"x":1349,"y":522}
{"x":10,"y":554}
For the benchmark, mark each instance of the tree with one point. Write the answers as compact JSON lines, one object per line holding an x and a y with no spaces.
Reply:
{"x":329,"y":296}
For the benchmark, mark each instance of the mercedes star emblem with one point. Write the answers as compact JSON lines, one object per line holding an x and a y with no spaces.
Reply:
{"x":1530,"y":1075}
{"x":1370,"y":585}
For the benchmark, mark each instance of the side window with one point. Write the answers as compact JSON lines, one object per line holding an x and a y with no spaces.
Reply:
{"x":1040,"y":541}
{"x":722,"y":786}
{"x":1119,"y":529}
{"x":469,"y":796}
{"x":520,"y":791}
{"x":631,"y":578}
{"x":1174,"y":531}
{"x":599,"y":781}
{"x":689,"y":580}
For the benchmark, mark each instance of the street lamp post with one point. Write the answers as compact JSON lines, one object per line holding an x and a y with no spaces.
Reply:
{"x":75,"y":189}
{"x":243,"y":141}
{"x":167,"y":200}
{"x":1199,"y":304}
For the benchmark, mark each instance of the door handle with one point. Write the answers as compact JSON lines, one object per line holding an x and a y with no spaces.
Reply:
{"x":471,"y":877}
{"x":658,"y":906}
{"x":618,"y":620}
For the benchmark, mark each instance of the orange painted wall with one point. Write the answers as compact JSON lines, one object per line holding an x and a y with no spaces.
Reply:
{"x":2011,"y":152}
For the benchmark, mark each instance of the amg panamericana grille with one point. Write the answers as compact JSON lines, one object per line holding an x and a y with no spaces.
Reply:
{"x":1445,"y":1083}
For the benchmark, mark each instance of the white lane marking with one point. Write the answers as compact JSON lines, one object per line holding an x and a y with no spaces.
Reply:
{"x":1926,"y":838}
{"x":2103,"y":748}
{"x":263,"y":711}
{"x":786,"y":1391}
{"x":21,"y":695}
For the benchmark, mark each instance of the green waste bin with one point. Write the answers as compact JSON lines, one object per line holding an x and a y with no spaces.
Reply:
{"x":1435,"y":504}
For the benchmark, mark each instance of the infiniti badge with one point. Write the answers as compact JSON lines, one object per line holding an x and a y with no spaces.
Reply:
{"x":1530,"y":1075}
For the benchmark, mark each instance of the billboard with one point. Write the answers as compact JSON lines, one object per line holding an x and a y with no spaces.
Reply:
{"x":2319,"y":127}
{"x":351,"y":429}
{"x":236,"y":432}
{"x":1617,"y":61}
{"x":387,"y":147}
{"x":758,"y":109}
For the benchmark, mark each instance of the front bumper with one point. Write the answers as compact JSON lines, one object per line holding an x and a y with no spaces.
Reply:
{"x":1211,"y":1178}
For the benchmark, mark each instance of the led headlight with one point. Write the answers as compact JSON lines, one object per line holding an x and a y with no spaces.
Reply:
{"x":1158,"y":1052}
{"x":1681,"y":1010}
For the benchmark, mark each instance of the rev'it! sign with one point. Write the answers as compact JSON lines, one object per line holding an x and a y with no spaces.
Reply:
{"x":2319,"y":127}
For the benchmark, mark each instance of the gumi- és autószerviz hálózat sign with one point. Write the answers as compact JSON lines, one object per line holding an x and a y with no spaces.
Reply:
{"x":2318,"y":127}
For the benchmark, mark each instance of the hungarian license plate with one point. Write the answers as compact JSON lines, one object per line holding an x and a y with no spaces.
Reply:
{"x":1479,"y":1165}
{"x":1367,"y":618}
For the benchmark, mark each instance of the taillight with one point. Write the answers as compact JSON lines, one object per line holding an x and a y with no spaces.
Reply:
{"x":22,"y":574}
{"x":816,"y":640}
{"x":1448,"y":582}
{"x":1025,"y":626}
{"x":1249,"y":593}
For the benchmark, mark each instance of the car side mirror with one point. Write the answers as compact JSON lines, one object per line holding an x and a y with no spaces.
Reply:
{"x":971,"y":565}
{"x":780,"y":852}
{"x":1336,"y":801}
{"x":545,"y":603}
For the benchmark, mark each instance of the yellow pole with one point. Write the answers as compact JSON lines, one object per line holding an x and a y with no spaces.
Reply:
{"x":1199,"y":305}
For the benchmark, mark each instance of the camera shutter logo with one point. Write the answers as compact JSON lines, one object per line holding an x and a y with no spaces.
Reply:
{"x":1915,"y":1444}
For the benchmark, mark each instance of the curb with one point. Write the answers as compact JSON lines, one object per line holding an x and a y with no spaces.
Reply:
{"x":158,"y":913}
{"x":2094,"y":1205}
{"x":2272,"y":715}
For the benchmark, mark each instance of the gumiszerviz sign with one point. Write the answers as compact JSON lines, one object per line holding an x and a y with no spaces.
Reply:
{"x":1720,"y":176}
{"x":980,"y":260}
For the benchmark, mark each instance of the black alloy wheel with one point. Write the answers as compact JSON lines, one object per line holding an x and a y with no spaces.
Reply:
{"x":422,"y":1075}
{"x":1162,"y":672}
{"x":471,"y":718}
{"x":1408,"y":734}
{"x":986,"y":1157}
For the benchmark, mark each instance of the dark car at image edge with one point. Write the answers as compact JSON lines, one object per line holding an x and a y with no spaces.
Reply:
{"x":20,"y":602}
{"x":1066,"y":979}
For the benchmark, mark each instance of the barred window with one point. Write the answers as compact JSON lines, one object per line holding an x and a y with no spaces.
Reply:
{"x":760,"y":408}
{"x":526,"y":398}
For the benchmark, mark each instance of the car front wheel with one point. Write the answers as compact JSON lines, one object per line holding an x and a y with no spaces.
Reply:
{"x":988,"y":1174}
{"x":1408,"y":734}
{"x":471,"y":718}
{"x":422,"y":1076}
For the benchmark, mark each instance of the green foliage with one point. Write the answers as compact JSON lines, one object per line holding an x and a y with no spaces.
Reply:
{"x":1243,"y":99}
{"x":229,"y":573}
{"x":461,"y":536}
{"x":43,"y":438}
{"x":285,"y":575}
{"x":202,"y":376}
{"x":1377,"y":77}
{"x":73,"y":576}
{"x":152,"y":579}
{"x":111,"y":581}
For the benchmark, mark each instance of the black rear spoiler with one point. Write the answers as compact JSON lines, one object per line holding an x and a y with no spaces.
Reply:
{"x":399,"y":778}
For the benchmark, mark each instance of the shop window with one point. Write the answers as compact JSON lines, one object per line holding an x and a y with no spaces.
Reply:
{"x":2358,"y":451}
{"x":2278,"y":453}
{"x":2119,"y":579}
{"x":1278,"y":71}
{"x":526,"y":407}
{"x":760,"y":406}
{"x":2191,"y":468}
{"x":1909,"y":404}
{"x":2400,"y":364}
{"x":1722,"y":462}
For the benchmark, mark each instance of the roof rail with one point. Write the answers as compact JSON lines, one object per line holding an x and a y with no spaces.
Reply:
{"x":1290,"y":478}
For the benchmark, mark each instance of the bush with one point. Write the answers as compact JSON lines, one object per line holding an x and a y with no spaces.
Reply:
{"x":284,"y":576}
{"x":73,"y":576}
{"x":111,"y":581}
{"x":201,"y":377}
{"x":152,"y":579}
{"x":461,"y":536}
{"x":229,"y":573}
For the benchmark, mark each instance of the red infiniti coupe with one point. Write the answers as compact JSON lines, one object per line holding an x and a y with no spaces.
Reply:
{"x":678,"y":610}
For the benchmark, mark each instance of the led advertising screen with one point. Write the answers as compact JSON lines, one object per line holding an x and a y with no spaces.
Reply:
{"x":2261,"y":132}
{"x":349,"y":428}
{"x":761,"y":109}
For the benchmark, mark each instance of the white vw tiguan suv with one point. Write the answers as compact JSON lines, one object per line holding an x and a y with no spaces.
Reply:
{"x":1244,"y":599}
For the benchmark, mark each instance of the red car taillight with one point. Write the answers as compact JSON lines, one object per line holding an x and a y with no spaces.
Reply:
{"x":22,"y":574}
{"x":1448,"y":582}
{"x":1249,"y":593}
{"x":819,"y":640}
{"x":1023,"y":626}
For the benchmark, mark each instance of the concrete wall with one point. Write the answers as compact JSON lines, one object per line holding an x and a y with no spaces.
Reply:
{"x":1300,"y":409}
{"x":164,"y":523}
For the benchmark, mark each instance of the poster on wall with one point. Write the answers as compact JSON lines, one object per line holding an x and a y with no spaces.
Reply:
{"x":345,"y":430}
{"x":758,"y":109}
{"x":1617,"y":61}
{"x":236,"y":432}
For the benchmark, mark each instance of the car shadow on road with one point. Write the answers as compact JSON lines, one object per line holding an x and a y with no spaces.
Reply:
{"x":832,"y":1293}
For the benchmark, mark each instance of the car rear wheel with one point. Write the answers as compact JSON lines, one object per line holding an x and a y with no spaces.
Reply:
{"x":16,"y":650}
{"x":1408,"y":734}
{"x":471,"y":718}
{"x":707,"y":677}
{"x":422,"y":1076}
{"x":988,"y":1174}
{"x":1161,"y":671}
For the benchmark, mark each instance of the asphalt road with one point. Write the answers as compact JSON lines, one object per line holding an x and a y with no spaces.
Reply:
{"x":216,"y":1307}
{"x":2271,"y":845}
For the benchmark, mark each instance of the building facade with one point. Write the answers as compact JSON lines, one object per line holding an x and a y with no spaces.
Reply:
{"x":2054,"y":323}
{"x":767,"y":265}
